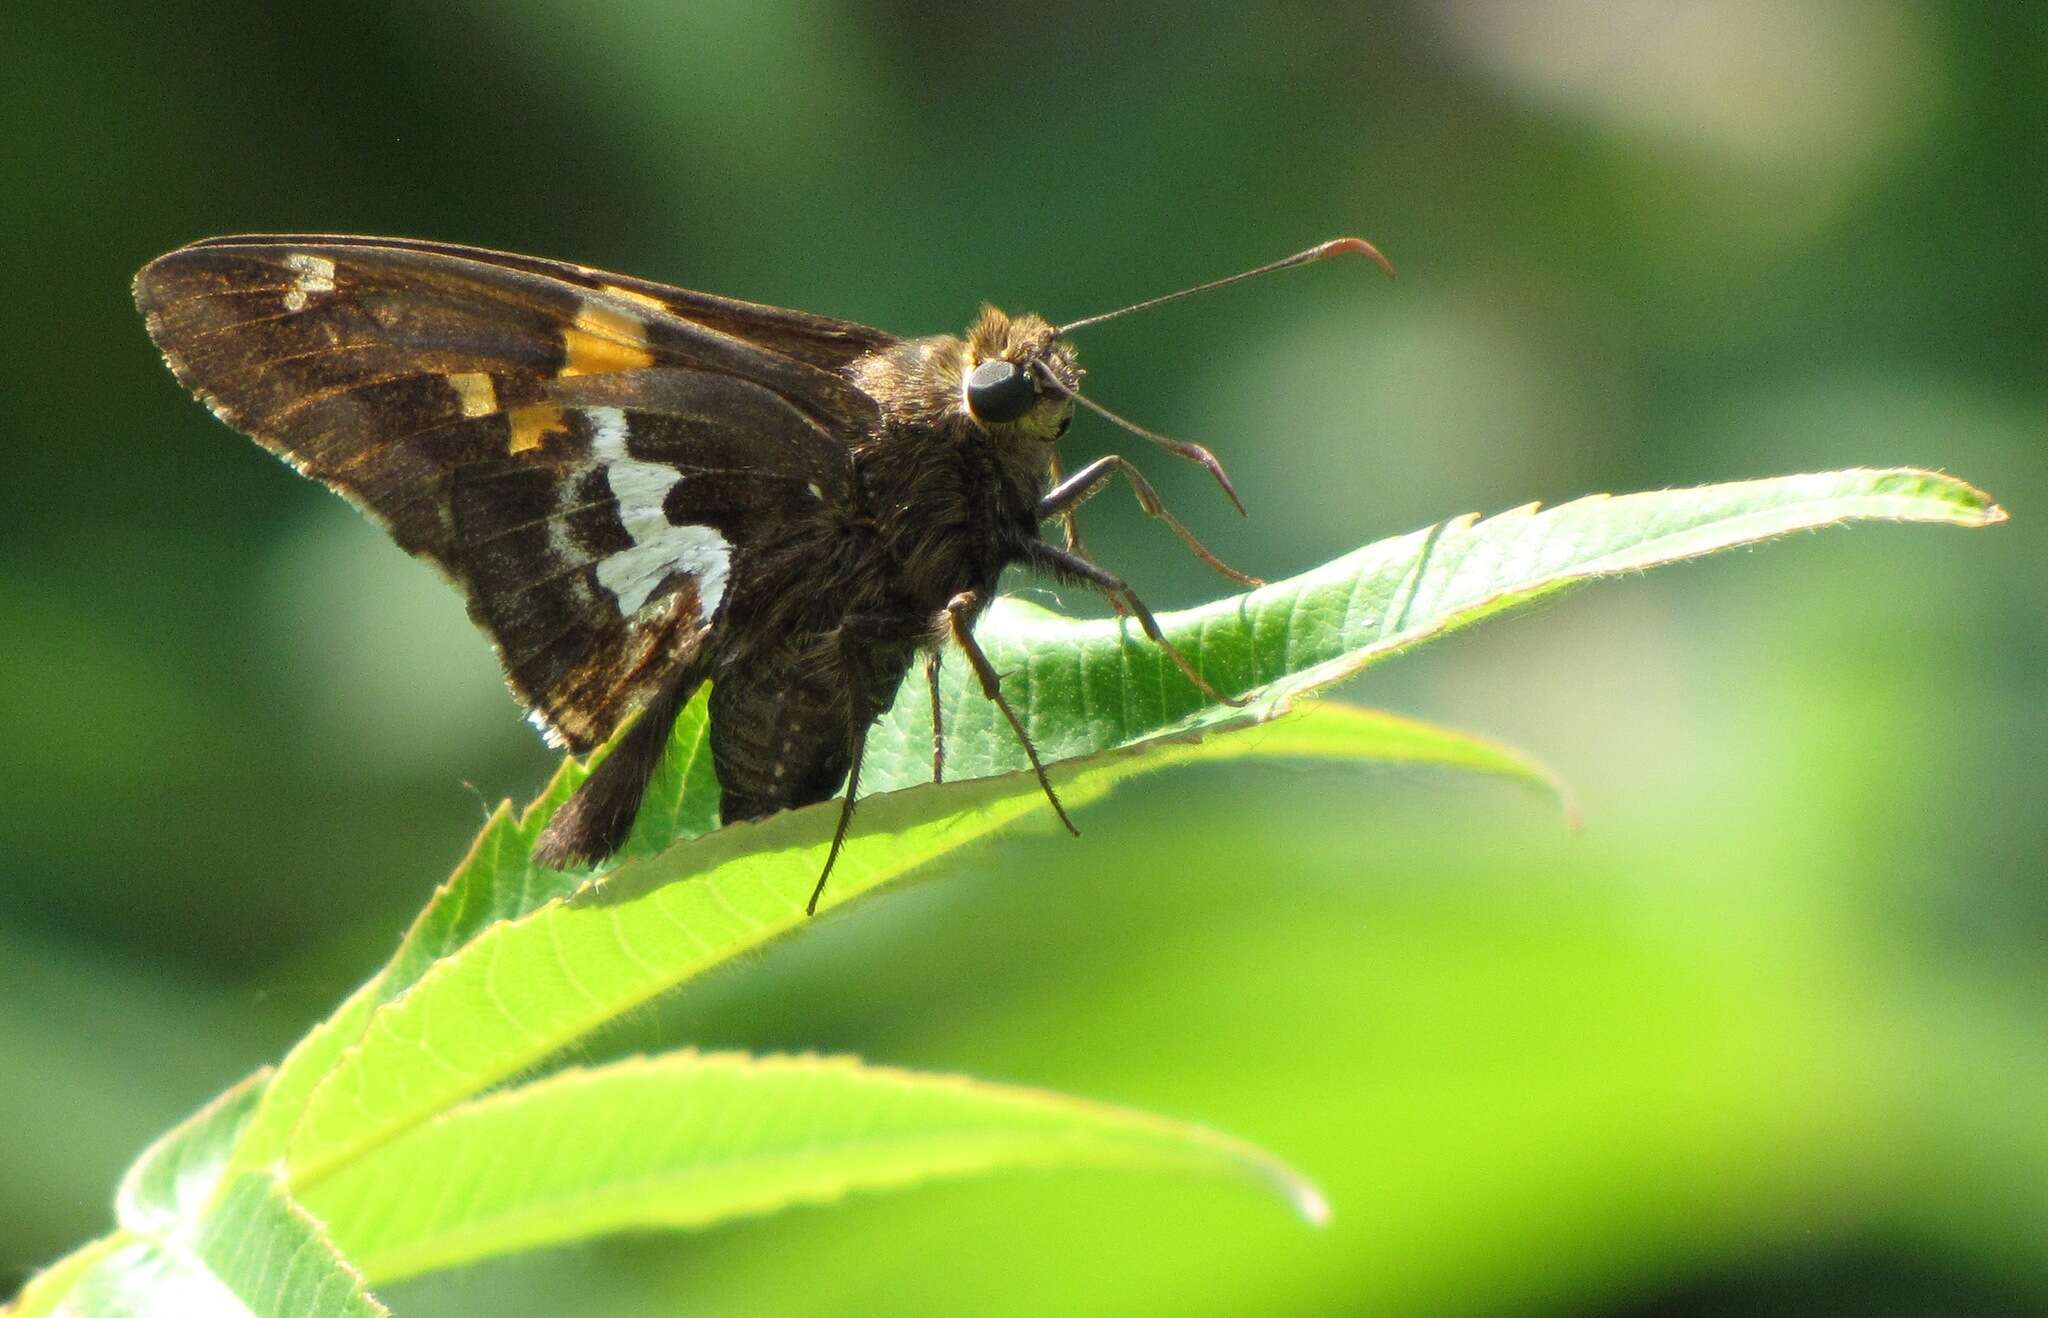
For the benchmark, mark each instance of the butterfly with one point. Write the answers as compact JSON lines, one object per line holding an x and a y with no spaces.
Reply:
{"x":639,"y":488}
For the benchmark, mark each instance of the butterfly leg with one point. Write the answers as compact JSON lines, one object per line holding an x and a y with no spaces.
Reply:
{"x":1072,"y":567}
{"x":959,"y":614}
{"x":859,"y":750}
{"x":1070,"y":527}
{"x":1077,"y":489}
{"x":594,"y":822}
{"x":931,"y":677}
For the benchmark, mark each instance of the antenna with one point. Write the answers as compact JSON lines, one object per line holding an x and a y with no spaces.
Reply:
{"x":1334,"y":247}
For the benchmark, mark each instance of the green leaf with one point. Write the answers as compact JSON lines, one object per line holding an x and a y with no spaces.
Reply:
{"x":250,"y":1253}
{"x":526,"y":987}
{"x":687,"y":1139}
{"x":192,"y":1242}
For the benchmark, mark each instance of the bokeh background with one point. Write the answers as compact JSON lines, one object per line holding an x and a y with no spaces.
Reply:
{"x":1769,"y":1036}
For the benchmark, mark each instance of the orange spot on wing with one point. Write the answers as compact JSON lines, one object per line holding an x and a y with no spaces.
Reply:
{"x":533,"y":423}
{"x":602,"y":340}
{"x":474,"y":392}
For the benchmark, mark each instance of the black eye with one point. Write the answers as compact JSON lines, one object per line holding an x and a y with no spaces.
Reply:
{"x":1000,"y":391}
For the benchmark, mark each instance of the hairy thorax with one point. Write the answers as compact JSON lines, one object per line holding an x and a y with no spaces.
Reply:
{"x":954,"y":498}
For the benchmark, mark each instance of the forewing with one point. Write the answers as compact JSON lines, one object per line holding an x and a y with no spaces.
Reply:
{"x":569,"y":447}
{"x":817,"y":340}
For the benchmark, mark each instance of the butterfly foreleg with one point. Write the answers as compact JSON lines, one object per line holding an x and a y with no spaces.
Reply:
{"x":1069,"y":527}
{"x":1084,"y":484}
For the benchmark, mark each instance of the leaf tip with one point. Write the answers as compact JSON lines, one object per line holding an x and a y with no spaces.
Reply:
{"x":1304,"y":1196}
{"x":1310,"y":1203}
{"x":1976,"y":506}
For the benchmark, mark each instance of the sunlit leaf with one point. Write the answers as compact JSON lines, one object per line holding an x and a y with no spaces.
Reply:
{"x":689,"y":1138}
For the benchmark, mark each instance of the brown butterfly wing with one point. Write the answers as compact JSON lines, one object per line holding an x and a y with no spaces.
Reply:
{"x":582,"y":453}
{"x":817,"y":340}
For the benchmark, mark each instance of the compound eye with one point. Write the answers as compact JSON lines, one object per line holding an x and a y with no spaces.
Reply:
{"x":1000,"y":391}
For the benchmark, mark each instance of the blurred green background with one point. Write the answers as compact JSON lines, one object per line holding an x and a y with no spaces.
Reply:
{"x":1769,"y":1036}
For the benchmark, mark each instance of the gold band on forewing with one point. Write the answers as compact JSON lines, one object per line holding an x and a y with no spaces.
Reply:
{"x":602,"y":340}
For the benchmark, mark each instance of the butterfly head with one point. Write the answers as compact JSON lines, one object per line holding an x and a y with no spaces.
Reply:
{"x":1014,"y":379}
{"x":1018,"y":377}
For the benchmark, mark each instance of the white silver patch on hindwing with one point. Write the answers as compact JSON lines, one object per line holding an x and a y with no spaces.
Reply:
{"x":659,"y":548}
